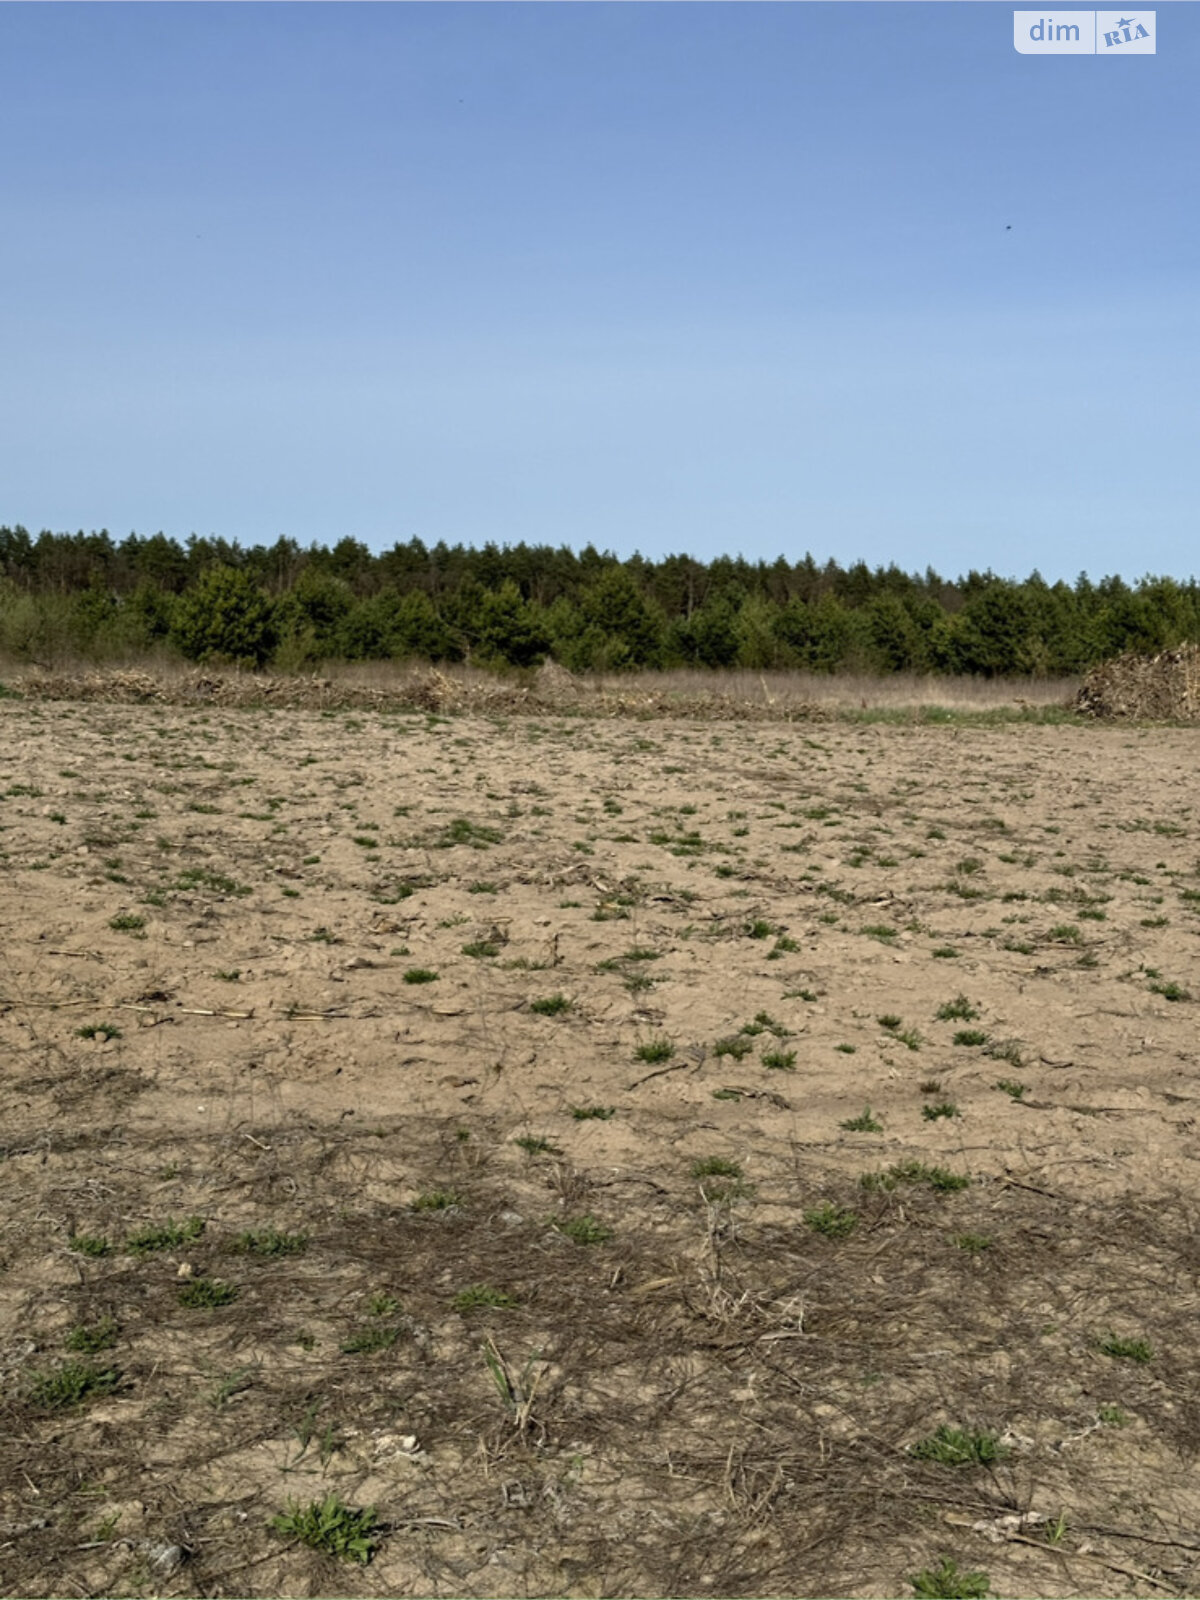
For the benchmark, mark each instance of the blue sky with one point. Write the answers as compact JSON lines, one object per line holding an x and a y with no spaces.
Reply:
{"x":720,"y":278}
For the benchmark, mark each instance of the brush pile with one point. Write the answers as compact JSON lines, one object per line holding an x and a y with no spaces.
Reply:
{"x":1160,"y":688}
{"x":548,"y":690}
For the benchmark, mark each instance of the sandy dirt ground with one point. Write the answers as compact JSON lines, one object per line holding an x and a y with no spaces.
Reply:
{"x":623,"y":1157}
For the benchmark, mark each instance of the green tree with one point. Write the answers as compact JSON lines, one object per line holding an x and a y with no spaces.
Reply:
{"x":93,"y":612}
{"x":894,"y":639}
{"x":623,"y":626}
{"x":758,"y":644}
{"x":708,"y":638}
{"x":396,"y":626}
{"x":509,"y":629}
{"x":993,"y":629}
{"x":224,"y":616}
{"x":309,"y":619}
{"x":146,"y":616}
{"x":824,"y":636}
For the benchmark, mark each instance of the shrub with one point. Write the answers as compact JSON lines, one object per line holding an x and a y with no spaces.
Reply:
{"x":224,"y":616}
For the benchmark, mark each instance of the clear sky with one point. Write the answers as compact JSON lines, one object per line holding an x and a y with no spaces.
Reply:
{"x":855,"y":279}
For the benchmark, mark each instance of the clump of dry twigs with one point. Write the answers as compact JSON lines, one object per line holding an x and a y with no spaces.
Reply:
{"x":1163,"y":687}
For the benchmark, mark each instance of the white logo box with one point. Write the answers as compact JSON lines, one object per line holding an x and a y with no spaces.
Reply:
{"x":1084,"y":33}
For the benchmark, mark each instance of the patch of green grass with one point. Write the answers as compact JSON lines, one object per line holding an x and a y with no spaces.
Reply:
{"x":880,"y":931}
{"x":461,"y":831}
{"x":973,"y":1243}
{"x":765,"y":1022}
{"x":959,"y":1447}
{"x":785,"y":945}
{"x":959,"y":1009}
{"x":552,"y":1006}
{"x":204,"y":1294}
{"x":847,"y":1049}
{"x":909,"y":1037}
{"x":945,"y":952}
{"x":1004,"y":1050}
{"x":834,"y":1221}
{"x":1170,"y":991}
{"x":946,"y":1582}
{"x":715,"y":1167}
{"x":970,"y":1037}
{"x":1065,"y":933}
{"x":391,"y":894}
{"x":582,"y":1230}
{"x":215,"y":882}
{"x":593,"y":1113}
{"x":914,"y":1172}
{"x":89,"y":1244}
{"x":127,"y":923}
{"x":364,"y":1341}
{"x":944,"y":1108}
{"x":481,"y":949}
{"x":779,"y":1060}
{"x":535,"y":1145}
{"x":71,"y":1384}
{"x":481,"y":888}
{"x":228,"y":975}
{"x":1113,"y":1417}
{"x":268,"y":1242}
{"x":420,"y":975}
{"x":382,"y":1304}
{"x":1010,"y":1086}
{"x":736,"y":1046}
{"x":865,"y":1123}
{"x":437,"y":1200}
{"x":890,"y":1021}
{"x":481,"y":1296}
{"x":330,"y":1527}
{"x":90,"y":1338}
{"x":167,"y":1236}
{"x":655,"y":1050}
{"x":1138,"y":1350}
{"x":98,"y":1030}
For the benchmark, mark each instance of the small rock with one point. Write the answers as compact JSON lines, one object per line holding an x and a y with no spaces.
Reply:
{"x":165,"y":1559}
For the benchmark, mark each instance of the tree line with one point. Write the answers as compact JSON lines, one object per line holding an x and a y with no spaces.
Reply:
{"x":88,"y":595}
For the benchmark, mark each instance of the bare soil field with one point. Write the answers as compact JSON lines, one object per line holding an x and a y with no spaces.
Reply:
{"x":595,"y":1157}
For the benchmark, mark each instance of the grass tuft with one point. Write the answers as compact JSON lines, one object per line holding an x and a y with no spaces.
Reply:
{"x":168,"y":1236}
{"x":835,"y":1222}
{"x":946,"y":1582}
{"x":330,"y":1527}
{"x":959,"y":1447}
{"x":71,"y":1385}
